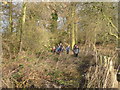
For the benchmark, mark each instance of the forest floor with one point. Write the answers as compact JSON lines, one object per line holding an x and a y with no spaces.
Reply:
{"x":47,"y":70}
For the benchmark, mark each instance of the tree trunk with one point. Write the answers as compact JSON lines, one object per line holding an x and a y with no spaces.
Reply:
{"x":76,"y":31}
{"x":73,"y":27}
{"x":73,"y":36}
{"x":22,"y":25}
{"x":10,"y":17}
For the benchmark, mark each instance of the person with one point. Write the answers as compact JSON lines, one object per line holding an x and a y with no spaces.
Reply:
{"x":68,"y":49}
{"x":61,"y":47}
{"x":58,"y":49}
{"x":54,"y":49}
{"x":76,"y":50}
{"x":74,"y":46}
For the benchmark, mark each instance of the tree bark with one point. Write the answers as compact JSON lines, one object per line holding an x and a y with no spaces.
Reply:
{"x":22,"y":25}
{"x":10,"y":18}
{"x":73,"y":26}
{"x":76,"y":31}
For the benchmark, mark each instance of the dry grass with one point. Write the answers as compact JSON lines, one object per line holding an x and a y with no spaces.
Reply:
{"x":53,"y":71}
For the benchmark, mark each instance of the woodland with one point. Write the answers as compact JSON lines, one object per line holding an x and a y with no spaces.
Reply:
{"x":31,"y":29}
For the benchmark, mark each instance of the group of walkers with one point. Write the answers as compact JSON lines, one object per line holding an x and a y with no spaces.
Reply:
{"x":60,"y":48}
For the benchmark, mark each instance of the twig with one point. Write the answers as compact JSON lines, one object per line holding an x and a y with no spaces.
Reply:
{"x":6,"y":84}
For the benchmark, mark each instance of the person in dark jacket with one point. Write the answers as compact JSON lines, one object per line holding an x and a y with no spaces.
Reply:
{"x":76,"y":50}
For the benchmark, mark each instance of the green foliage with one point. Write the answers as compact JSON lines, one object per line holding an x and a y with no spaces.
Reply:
{"x":16,"y":75}
{"x":54,"y":16}
{"x":21,"y":66}
{"x":53,"y":26}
